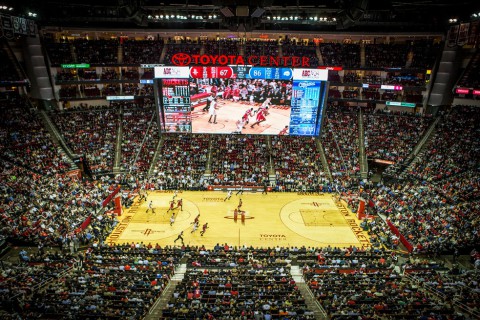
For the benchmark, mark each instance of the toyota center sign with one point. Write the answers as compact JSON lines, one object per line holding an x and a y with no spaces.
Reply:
{"x":185,"y":59}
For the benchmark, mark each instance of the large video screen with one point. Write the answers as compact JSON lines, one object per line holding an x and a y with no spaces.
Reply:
{"x":242,"y":100}
{"x":247,"y":106}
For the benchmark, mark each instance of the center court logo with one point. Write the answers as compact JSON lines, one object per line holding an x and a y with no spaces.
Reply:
{"x":181,"y":59}
{"x":241,"y":215}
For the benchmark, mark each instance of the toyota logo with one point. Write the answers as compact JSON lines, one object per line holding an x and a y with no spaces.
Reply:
{"x":181,"y":59}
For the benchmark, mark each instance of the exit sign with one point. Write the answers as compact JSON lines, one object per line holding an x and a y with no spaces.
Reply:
{"x":75,"y":65}
{"x":401,"y":104}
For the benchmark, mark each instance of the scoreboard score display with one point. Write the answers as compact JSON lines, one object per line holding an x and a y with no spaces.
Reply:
{"x":246,"y":99}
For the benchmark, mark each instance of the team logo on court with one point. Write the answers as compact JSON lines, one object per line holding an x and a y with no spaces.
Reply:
{"x":147,"y":232}
{"x":181,"y":59}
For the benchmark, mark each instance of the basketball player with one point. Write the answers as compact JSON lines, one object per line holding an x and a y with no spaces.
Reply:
{"x":252,"y":99}
{"x":197,"y":219}
{"x":195,"y":227}
{"x":180,"y":204}
{"x":229,"y":195}
{"x":172,"y":219}
{"x":264,"y":106}
{"x":204,"y":228}
{"x":175,"y":193}
{"x":240,"y":191}
{"x":172,"y":206}
{"x":261,"y":117}
{"x":240,"y":125}
{"x":209,"y":102}
{"x":143,"y":195}
{"x":265,"y":187}
{"x":247,"y":115}
{"x":244,"y":94}
{"x":180,"y":237}
{"x":150,"y":207}
{"x":240,"y":203}
{"x":227,"y":93}
{"x":213,"y":111}
{"x":236,"y":94}
{"x":284,"y":131}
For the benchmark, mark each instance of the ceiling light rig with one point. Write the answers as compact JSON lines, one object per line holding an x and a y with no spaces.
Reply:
{"x":6,"y":8}
{"x":180,"y":17}
{"x":302,"y":19}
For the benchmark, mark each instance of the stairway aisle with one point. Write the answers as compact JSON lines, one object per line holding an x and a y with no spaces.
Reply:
{"x":156,"y":155}
{"x":323,"y":159}
{"x":155,"y":312}
{"x":57,"y":138}
{"x":296,"y":273}
{"x":318,"y":52}
{"x":307,"y":294}
{"x":118,"y":146}
{"x":361,"y":146}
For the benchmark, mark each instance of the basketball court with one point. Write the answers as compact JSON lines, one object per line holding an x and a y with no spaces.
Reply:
{"x":283,"y":219}
{"x":229,"y":112}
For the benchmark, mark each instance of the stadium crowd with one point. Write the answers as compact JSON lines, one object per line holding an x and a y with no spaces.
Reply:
{"x":90,"y":133}
{"x":297,"y":165}
{"x":352,"y":284}
{"x":239,"y":160}
{"x":140,"y":138}
{"x":238,"y":293}
{"x":340,"y":142}
{"x":182,"y":162}
{"x":435,"y":207}
{"x":453,"y":148}
{"x":392,"y":137}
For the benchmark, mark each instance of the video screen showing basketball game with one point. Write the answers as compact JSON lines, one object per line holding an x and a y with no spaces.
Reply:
{"x":241,"y":100}
{"x":243,"y":106}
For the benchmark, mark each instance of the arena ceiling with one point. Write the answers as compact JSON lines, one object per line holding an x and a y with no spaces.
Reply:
{"x":247,"y":15}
